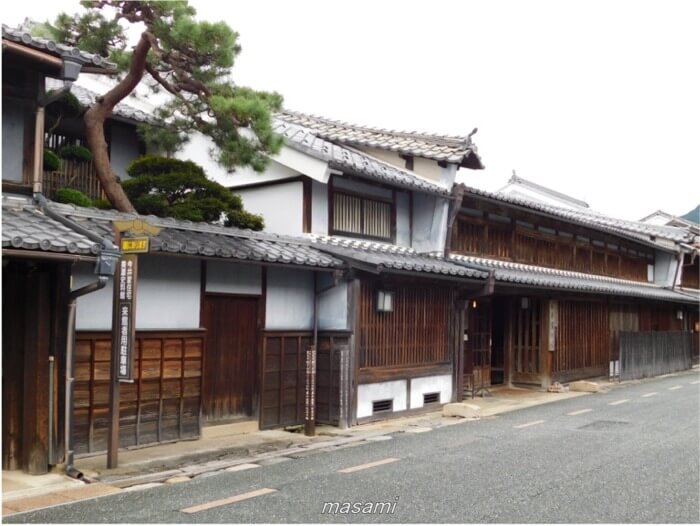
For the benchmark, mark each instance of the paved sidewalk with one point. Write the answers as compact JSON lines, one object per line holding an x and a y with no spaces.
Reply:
{"x":182,"y":461}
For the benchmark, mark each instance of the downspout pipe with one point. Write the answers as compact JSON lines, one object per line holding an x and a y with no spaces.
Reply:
{"x":101,"y":282}
{"x":39,"y":133}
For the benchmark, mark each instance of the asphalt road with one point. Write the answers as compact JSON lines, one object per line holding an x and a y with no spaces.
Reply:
{"x":585,"y":460}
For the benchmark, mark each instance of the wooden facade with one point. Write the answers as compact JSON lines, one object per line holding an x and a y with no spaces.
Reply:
{"x":691,"y":272}
{"x":283,"y":378}
{"x":33,"y":339}
{"x":415,"y":334}
{"x":230,"y":383}
{"x":162,"y":404}
{"x":526,"y":238}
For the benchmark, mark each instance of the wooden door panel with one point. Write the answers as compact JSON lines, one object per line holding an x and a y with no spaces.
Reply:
{"x":231,"y":363}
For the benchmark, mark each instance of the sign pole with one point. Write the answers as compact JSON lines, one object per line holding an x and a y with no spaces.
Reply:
{"x":124,"y":320}
{"x":113,"y":437}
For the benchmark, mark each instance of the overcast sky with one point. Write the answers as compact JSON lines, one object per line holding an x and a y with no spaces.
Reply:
{"x":596,"y":99}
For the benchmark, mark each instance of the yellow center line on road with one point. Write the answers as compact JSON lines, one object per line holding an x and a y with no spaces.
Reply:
{"x":675,"y":387}
{"x":579,"y":412}
{"x":369,"y":465}
{"x":536,"y":422}
{"x":228,"y":500}
{"x":619,"y":402}
{"x":649,"y":394}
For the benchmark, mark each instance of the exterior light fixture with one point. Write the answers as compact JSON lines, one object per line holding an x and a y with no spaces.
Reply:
{"x":107,"y":262}
{"x":679,"y":314}
{"x":524,"y":303}
{"x":385,"y":301}
{"x":474,"y":304}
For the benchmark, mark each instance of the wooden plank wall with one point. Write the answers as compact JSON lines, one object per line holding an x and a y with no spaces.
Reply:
{"x":526,"y":341}
{"x":583,"y":340}
{"x":555,"y":245}
{"x":163,"y":403}
{"x":691,"y":272}
{"x":284,"y":378}
{"x":415,"y":334}
{"x":328,"y":372}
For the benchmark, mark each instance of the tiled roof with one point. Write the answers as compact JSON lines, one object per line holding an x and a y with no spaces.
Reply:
{"x":87,"y":97}
{"x":30,"y":228}
{"x":353,"y":161}
{"x":452,"y":149}
{"x":387,"y":258}
{"x":634,"y":229}
{"x":25,"y":226}
{"x":24,"y":37}
{"x":507,"y":272}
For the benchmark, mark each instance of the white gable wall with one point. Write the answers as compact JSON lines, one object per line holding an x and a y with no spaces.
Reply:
{"x":281,"y":206}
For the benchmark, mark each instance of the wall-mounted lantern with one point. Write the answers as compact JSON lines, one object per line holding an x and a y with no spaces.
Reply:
{"x":385,"y":301}
{"x":679,"y":314}
{"x":524,"y":303}
{"x":474,"y":304}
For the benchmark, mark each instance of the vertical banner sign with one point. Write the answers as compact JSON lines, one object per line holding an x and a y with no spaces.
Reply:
{"x":553,"y":323}
{"x":310,"y":398}
{"x":125,"y":308}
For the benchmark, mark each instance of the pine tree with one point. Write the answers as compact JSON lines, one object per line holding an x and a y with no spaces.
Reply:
{"x":191,"y":60}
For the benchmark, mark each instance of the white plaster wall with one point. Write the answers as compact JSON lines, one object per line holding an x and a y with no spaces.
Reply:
{"x":12,"y":140}
{"x":429,"y":222}
{"x":427,"y":168}
{"x":124,"y":147}
{"x":368,"y":393}
{"x":290,"y":299}
{"x":233,"y":278}
{"x":430,"y":384}
{"x":167,"y":295}
{"x":319,"y":208}
{"x":281,"y":206}
{"x":288,"y":163}
{"x":664,"y":268}
{"x":403,"y":221}
{"x":333,"y":308}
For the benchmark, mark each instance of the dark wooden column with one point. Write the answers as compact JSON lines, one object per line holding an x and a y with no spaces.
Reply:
{"x":12,"y":366}
{"x":35,"y":422}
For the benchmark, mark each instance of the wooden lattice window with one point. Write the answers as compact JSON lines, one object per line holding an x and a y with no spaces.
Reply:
{"x":362,"y":216}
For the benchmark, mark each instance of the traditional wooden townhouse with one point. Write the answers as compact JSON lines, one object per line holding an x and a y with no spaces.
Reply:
{"x":567,"y":281}
{"x":380,"y":201}
{"x":36,"y":282}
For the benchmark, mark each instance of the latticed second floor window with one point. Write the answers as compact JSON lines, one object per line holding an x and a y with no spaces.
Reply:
{"x":362,"y":216}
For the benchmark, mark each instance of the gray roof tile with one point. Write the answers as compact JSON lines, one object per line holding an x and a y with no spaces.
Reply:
{"x":452,"y":149}
{"x":24,"y":37}
{"x":507,"y":272}
{"x":87,"y":97}
{"x":388,"y":258}
{"x":24,"y":226}
{"x":590,"y":218}
{"x":353,"y":161}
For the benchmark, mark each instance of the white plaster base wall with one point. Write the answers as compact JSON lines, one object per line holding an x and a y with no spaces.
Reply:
{"x":368,"y":393}
{"x":431,"y":384}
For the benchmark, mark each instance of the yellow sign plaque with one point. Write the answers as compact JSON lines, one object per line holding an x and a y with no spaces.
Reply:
{"x":135,"y":245}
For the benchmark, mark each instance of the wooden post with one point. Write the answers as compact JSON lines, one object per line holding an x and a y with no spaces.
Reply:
{"x":35,"y":418}
{"x":113,"y":437}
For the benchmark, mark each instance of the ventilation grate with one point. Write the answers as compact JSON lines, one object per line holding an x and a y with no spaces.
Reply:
{"x":431,"y":398}
{"x":382,"y":406}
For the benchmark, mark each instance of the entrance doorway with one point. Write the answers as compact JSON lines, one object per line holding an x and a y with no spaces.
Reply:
{"x":230,"y":376}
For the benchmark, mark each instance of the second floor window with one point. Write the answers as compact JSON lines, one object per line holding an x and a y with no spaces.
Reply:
{"x":361,"y":216}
